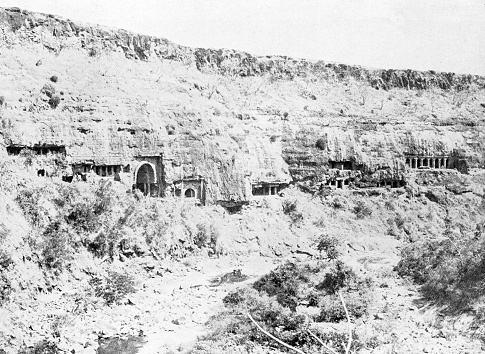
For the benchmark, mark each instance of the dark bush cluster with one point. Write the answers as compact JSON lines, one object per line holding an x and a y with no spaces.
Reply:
{"x":290,"y":208}
{"x":5,"y":283}
{"x":54,"y":101}
{"x":283,"y":284}
{"x":79,"y":215}
{"x":337,"y":203}
{"x":321,"y":144}
{"x":362,"y":210}
{"x":206,"y":236}
{"x":275,"y":301}
{"x":293,"y":285}
{"x":329,"y":245}
{"x":42,"y":347}
{"x":28,"y":200}
{"x":57,"y":246}
{"x":114,"y":287}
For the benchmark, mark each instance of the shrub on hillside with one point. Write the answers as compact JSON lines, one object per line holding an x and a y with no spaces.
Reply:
{"x":42,"y":347}
{"x":57,"y":245}
{"x":28,"y":200}
{"x":283,"y":283}
{"x":202,"y":235}
{"x":331,"y":309}
{"x":4,"y":232}
{"x":104,"y":197}
{"x":329,"y":245}
{"x":78,"y":208}
{"x":290,"y":208}
{"x":206,"y":236}
{"x":5,"y":260}
{"x":5,"y":284}
{"x":321,"y":144}
{"x":5,"y":288}
{"x":54,"y":101}
{"x":83,"y":209}
{"x":451,"y":270}
{"x":340,"y":276}
{"x":82,"y":217}
{"x":362,"y":210}
{"x":338,"y":203}
{"x":2,"y":101}
{"x":114,"y":287}
{"x":54,"y":78}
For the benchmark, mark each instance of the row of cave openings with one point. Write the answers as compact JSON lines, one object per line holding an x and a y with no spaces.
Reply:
{"x":101,"y":170}
{"x":261,"y":189}
{"x":36,"y":150}
{"x":427,"y":162}
{"x":148,"y":175}
{"x":343,"y":183}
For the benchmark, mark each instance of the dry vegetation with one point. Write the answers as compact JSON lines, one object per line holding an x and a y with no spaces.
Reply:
{"x":81,"y":262}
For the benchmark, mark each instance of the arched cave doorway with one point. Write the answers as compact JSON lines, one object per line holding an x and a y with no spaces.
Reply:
{"x":189,"y":193}
{"x":145,"y":177}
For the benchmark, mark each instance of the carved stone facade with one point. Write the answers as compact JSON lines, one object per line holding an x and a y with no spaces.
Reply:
{"x":192,"y":188}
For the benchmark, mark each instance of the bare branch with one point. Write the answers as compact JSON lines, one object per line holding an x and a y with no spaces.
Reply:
{"x":321,"y":342}
{"x":347,"y":350}
{"x":273,"y":337}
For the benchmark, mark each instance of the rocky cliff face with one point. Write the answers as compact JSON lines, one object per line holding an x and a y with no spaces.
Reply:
{"x":112,"y":97}
{"x":95,"y":38}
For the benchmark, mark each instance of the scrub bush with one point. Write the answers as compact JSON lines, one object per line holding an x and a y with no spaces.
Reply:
{"x":362,"y":210}
{"x":114,"y":287}
{"x":451,"y":270}
{"x":329,"y":245}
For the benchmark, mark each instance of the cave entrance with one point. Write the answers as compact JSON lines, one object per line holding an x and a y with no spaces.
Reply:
{"x":145,"y":178}
{"x":189,"y":193}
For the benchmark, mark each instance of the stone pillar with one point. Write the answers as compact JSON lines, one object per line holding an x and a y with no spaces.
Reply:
{"x":429,"y":162}
{"x":432,"y":163}
{"x":445,"y":163}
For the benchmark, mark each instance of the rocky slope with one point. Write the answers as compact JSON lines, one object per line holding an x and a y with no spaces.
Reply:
{"x":234,"y":119}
